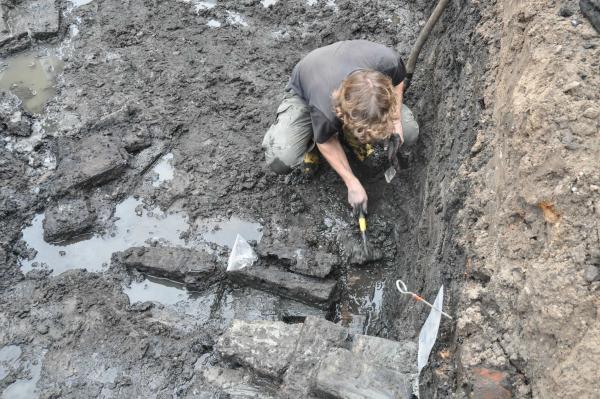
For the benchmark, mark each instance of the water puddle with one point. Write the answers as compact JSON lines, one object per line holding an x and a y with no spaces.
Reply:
{"x":188,"y":309}
{"x":182,"y":309}
{"x":365,"y":299}
{"x":267,"y":3}
{"x":236,"y":19}
{"x":31,"y":76}
{"x":164,"y":170}
{"x":154,"y":289}
{"x":223,"y":232}
{"x":8,"y":359}
{"x":25,"y":388}
{"x":134,"y":226}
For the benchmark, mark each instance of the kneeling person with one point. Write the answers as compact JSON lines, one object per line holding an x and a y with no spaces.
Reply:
{"x":349,"y":91}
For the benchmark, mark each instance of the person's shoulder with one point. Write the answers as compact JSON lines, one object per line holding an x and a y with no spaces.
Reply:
{"x":367,"y":45}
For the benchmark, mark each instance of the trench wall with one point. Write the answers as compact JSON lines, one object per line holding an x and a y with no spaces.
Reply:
{"x":506,"y":98}
{"x":529,"y":304}
{"x":447,"y":97}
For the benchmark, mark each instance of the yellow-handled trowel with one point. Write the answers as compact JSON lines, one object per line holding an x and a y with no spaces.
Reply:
{"x":362,"y":226}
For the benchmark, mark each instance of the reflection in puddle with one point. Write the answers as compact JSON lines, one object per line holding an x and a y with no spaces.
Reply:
{"x":25,"y":388}
{"x":31,"y":77}
{"x":135,"y":227}
{"x":156,"y":289}
{"x":364,"y":301}
{"x":224,"y":232}
{"x":164,"y":169}
{"x":182,"y":308}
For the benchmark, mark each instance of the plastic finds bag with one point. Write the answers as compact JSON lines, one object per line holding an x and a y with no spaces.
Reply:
{"x":242,"y":255}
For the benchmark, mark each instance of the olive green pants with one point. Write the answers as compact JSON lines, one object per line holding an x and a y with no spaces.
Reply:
{"x":291,"y":135}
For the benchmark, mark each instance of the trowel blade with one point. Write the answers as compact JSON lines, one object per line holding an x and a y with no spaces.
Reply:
{"x":389,"y":174}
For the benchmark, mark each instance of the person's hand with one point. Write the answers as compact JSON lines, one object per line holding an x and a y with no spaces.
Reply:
{"x":357,"y":197}
{"x":394,"y":144}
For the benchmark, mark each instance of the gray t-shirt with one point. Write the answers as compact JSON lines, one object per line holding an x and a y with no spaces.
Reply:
{"x":322,"y":71}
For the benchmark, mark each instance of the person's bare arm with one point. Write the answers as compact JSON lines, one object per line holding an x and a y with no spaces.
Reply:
{"x":334,"y":154}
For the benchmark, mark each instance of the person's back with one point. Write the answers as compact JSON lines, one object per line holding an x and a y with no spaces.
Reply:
{"x":322,"y":71}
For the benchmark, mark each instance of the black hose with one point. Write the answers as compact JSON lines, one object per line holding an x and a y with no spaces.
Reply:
{"x":412,"y":60}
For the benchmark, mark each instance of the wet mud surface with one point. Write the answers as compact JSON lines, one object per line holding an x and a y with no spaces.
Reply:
{"x":148,"y":134}
{"x":130,"y":160}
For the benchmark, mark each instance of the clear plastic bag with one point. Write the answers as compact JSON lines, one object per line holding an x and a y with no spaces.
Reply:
{"x":242,"y":255}
{"x":429,"y":331}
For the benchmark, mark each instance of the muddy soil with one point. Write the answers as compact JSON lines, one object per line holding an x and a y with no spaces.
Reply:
{"x":151,"y":137}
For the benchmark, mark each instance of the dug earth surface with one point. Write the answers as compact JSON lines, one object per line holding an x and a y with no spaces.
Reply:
{"x":498,"y":202}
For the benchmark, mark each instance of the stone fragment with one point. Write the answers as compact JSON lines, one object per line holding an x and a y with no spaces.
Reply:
{"x":196,"y":269}
{"x":291,"y":311}
{"x":18,"y":125}
{"x":571,"y":86}
{"x":319,"y":265}
{"x":5,"y":35}
{"x":317,"y":337}
{"x":399,"y":356}
{"x":90,"y":162}
{"x":592,"y":112}
{"x":489,"y":384}
{"x":261,"y":345}
{"x":591,"y":10}
{"x":38,"y":18}
{"x":293,"y":250}
{"x":592,"y":273}
{"x":302,"y":260}
{"x":68,"y":219}
{"x":273,"y":279}
{"x":235,"y":384}
{"x":343,"y":374}
{"x":134,"y":143}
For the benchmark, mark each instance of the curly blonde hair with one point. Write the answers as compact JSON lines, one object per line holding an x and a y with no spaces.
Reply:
{"x":366,"y":104}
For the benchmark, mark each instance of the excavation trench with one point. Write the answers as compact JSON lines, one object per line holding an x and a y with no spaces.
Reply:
{"x":156,"y":132}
